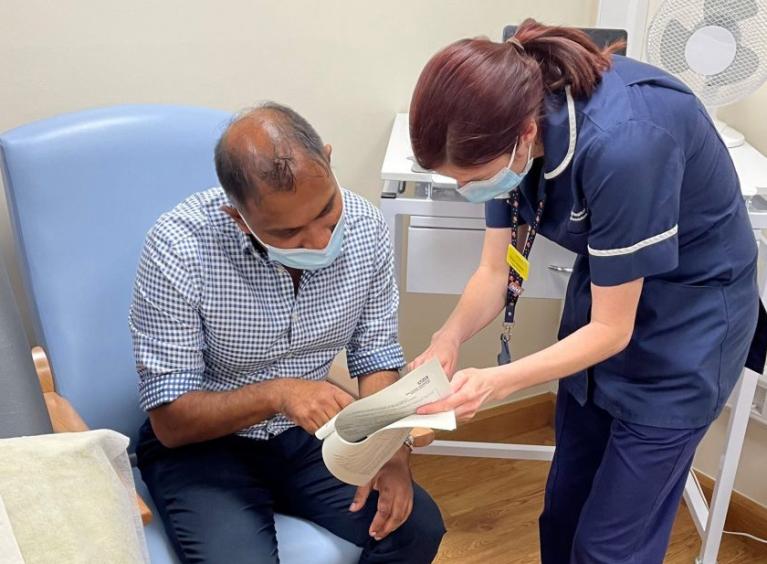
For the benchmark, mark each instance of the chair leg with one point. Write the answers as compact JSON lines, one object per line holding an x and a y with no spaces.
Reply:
{"x":728,"y":466}
{"x":696,"y":503}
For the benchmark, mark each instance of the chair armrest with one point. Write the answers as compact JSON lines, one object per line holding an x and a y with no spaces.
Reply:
{"x":63,"y":416}
{"x":43,"y":369}
{"x":422,"y":436}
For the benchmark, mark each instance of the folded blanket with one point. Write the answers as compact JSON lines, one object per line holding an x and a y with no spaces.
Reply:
{"x":9,"y":548}
{"x":70,"y":498}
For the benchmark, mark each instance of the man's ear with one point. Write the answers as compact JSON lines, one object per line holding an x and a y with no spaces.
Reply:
{"x":328,"y":150}
{"x":232,"y":212}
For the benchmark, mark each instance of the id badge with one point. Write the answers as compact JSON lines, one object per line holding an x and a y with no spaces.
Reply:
{"x":516,"y":261}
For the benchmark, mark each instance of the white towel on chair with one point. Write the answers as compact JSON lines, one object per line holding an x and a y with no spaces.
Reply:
{"x":70,"y":498}
{"x":9,"y":548}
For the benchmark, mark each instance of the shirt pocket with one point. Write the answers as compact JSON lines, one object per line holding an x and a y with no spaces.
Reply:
{"x":579,"y":221}
{"x":677,"y":340}
{"x":577,"y":227}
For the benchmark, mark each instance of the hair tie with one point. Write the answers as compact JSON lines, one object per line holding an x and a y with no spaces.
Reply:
{"x":517,"y":44}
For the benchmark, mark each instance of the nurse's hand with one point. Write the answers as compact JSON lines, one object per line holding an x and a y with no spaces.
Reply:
{"x":444,"y":348}
{"x":470,"y":389}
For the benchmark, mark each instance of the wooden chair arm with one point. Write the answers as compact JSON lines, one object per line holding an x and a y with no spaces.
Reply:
{"x":63,"y":416}
{"x":43,"y":369}
{"x":422,"y":437}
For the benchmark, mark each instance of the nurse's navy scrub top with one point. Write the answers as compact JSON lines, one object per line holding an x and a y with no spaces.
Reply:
{"x":639,"y":185}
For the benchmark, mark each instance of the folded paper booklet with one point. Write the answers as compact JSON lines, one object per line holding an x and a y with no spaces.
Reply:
{"x":364,"y":435}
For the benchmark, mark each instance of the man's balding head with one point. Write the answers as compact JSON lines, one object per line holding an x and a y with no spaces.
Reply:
{"x":268,"y":148}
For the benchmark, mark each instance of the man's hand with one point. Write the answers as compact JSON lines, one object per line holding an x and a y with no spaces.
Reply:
{"x":310,"y":404}
{"x":394,"y":485}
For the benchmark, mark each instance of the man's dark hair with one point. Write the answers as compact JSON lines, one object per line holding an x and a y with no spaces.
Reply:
{"x":244,"y":171}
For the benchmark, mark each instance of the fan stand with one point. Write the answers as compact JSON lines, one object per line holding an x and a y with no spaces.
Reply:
{"x":732,"y":137}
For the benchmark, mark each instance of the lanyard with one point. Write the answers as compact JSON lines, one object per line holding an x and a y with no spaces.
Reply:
{"x":514,"y":286}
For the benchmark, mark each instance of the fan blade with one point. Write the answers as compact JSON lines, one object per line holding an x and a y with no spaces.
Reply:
{"x":725,"y":20}
{"x":732,"y":10}
{"x":743,"y":66}
{"x":672,"y":43}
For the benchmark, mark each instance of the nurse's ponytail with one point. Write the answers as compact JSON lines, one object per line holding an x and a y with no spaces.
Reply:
{"x":565,"y":56}
{"x":474,"y":97}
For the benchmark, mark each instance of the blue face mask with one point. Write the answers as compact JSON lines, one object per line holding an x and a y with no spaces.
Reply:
{"x":308,"y":259}
{"x":502,"y":182}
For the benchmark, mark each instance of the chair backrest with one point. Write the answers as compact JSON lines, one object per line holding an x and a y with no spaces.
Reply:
{"x":22,"y":408}
{"x":83,"y":189}
{"x":601,"y":36}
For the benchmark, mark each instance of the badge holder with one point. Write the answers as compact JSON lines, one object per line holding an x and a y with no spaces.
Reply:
{"x":519,"y":271}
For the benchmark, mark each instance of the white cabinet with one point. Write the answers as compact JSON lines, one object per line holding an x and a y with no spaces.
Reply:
{"x":442,"y":254}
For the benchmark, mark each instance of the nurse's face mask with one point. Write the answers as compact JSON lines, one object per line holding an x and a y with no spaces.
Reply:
{"x":307,"y":259}
{"x":500,"y":184}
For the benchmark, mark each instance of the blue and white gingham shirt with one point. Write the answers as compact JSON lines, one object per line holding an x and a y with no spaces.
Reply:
{"x":212,"y":313}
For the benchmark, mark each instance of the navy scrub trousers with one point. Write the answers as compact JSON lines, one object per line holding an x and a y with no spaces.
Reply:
{"x":614,"y":487}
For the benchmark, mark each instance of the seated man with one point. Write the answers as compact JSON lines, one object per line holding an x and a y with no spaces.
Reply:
{"x":243,"y":298}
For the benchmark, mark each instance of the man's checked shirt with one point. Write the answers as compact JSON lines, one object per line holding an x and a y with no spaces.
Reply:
{"x":211,"y":312}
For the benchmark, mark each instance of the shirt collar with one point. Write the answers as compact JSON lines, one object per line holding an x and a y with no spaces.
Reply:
{"x":246,"y":242}
{"x":560,"y":133}
{"x":253,"y":244}
{"x":236,"y":239}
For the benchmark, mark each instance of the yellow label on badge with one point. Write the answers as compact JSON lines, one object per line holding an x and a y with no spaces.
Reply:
{"x":519,"y":263}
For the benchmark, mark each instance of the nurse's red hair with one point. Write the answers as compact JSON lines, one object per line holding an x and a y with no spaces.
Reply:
{"x":474,"y":96}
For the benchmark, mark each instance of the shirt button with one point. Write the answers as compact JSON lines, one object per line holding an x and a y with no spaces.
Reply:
{"x":295,"y":317}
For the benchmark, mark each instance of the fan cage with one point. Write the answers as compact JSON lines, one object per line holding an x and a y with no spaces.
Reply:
{"x":676,"y":21}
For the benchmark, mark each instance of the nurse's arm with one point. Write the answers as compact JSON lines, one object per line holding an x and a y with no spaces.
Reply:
{"x":613,"y":314}
{"x":481,"y":302}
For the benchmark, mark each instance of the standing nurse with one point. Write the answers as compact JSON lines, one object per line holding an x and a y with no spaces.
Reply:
{"x":618,"y":162}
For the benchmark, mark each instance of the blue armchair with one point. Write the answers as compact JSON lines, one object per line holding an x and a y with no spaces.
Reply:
{"x":83,"y":189}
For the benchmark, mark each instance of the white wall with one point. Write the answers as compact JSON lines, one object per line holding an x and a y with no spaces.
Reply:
{"x":348,"y":66}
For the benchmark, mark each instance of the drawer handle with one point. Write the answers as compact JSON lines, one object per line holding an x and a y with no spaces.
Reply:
{"x":562,"y":269}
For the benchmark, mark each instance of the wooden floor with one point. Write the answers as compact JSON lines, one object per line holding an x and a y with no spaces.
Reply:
{"x":491,"y":509}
